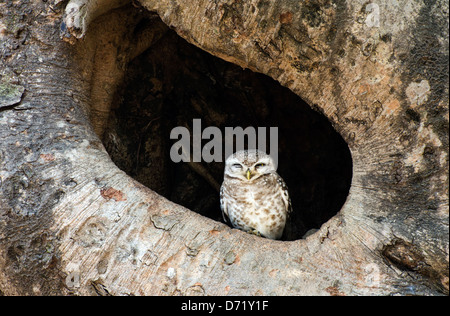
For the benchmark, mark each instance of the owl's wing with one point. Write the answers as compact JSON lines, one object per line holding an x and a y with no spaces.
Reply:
{"x":223,"y":205}
{"x":285,"y":195}
{"x":288,"y":229}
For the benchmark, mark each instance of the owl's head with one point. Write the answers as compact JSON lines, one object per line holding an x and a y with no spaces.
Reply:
{"x":248,"y":165}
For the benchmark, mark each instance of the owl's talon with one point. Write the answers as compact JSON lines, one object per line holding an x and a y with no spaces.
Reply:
{"x":254,"y":232}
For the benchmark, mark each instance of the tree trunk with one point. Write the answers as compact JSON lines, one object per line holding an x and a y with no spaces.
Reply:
{"x":71,"y":222}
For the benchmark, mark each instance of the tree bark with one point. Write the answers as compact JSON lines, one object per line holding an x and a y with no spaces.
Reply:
{"x":71,"y":222}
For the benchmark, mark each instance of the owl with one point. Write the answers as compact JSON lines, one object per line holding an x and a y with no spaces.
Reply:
{"x":253,"y":196}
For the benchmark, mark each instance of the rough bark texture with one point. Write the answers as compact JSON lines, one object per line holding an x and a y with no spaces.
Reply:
{"x":72,"y":222}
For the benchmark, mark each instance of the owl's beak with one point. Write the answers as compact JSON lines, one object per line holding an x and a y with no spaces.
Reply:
{"x":248,"y":174}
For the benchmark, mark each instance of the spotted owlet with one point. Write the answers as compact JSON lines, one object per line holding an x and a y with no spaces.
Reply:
{"x":253,"y":196}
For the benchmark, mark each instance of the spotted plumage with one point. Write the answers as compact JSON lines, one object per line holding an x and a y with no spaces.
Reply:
{"x":253,"y":197}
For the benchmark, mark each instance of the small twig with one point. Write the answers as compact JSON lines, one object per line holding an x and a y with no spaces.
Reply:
{"x":140,"y":141}
{"x":204,"y":173}
{"x":198,"y":168}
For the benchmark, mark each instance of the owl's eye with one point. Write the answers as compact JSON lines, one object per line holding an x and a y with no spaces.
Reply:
{"x":260,"y":165}
{"x":237,"y":165}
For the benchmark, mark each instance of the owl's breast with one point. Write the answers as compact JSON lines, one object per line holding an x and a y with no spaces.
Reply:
{"x":257,"y":206}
